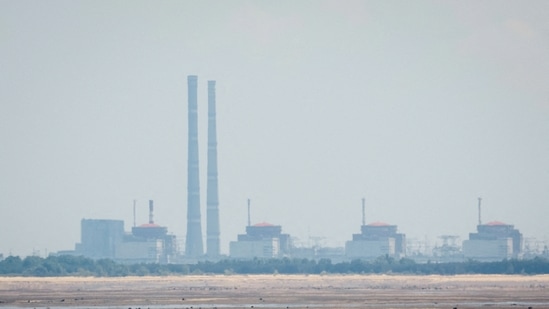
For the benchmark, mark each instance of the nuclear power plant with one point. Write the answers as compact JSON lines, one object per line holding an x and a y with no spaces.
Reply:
{"x":262,"y":240}
{"x":151,"y":243}
{"x":106,"y":239}
{"x":493,"y":241}
{"x":376,"y":239}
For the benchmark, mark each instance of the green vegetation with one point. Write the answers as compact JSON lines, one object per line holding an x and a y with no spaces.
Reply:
{"x":67,"y":265}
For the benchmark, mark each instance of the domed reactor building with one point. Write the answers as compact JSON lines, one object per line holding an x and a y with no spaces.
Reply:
{"x":148,"y":243}
{"x":376,"y":239}
{"x":493,"y":241}
{"x":262,"y":240}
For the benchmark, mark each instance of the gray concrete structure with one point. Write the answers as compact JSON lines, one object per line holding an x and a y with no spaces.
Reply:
{"x":147,"y":243}
{"x":262,"y":240}
{"x":493,"y":241}
{"x":193,"y":246}
{"x":212,"y":196}
{"x":376,"y":239}
{"x":100,"y":238}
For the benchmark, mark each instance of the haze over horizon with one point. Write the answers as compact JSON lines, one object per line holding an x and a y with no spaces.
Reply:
{"x":419,"y":107}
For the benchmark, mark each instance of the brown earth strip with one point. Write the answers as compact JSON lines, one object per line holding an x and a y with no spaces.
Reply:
{"x":280,"y":291}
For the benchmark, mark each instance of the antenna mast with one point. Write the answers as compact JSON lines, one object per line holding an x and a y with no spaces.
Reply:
{"x":249,"y":221}
{"x":151,"y":219}
{"x":479,"y":201}
{"x":363,"y":212}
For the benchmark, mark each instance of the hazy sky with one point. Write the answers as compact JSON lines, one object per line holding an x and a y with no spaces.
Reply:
{"x":420,"y":107}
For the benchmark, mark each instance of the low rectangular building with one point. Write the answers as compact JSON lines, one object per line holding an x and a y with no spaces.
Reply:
{"x":376,"y":239}
{"x":264,"y":248}
{"x":370,"y":249}
{"x":488,"y":249}
{"x":146,"y":251}
{"x":262,"y":240}
{"x":494,"y":241}
{"x":100,"y":238}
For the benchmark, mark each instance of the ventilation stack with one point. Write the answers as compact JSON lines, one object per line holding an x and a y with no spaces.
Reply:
{"x":249,"y":218}
{"x":363,"y":211}
{"x":151,"y":211}
{"x":212,"y":198}
{"x":134,"y":223}
{"x":193,"y":245}
{"x":479,"y":220}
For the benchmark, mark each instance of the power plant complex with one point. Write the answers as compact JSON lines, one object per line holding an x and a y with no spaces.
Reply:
{"x":151,"y":243}
{"x":106,"y":239}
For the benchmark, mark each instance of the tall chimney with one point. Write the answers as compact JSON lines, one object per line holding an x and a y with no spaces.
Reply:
{"x":212,"y":197}
{"x":151,"y":210}
{"x":193,"y":245}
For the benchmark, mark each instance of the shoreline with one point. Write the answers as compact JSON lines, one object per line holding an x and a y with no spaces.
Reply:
{"x":278,"y":291}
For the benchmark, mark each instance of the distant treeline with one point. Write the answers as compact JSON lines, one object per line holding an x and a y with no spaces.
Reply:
{"x":67,"y":265}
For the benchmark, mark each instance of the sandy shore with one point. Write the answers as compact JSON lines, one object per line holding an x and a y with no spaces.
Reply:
{"x":278,"y":291}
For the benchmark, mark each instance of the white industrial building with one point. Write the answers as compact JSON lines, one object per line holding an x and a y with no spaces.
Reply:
{"x":375,"y":240}
{"x":494,"y":241}
{"x":147,"y":243}
{"x":262,"y":240}
{"x":370,"y":249}
{"x":263,"y":248}
{"x":148,"y":250}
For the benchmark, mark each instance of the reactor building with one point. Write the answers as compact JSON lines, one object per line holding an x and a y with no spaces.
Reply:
{"x":376,"y":239}
{"x":106,"y":239}
{"x":493,"y":241}
{"x":262,"y":240}
{"x":148,"y":242}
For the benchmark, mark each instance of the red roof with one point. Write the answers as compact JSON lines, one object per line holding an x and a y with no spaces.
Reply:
{"x":263,"y":224}
{"x":377,"y":223}
{"x":149,"y":225}
{"x":496,"y":223}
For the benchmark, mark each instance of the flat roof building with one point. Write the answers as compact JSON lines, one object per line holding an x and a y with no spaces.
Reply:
{"x":493,"y":241}
{"x":147,"y":243}
{"x":262,"y":240}
{"x":376,"y":239}
{"x":100,"y":238}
